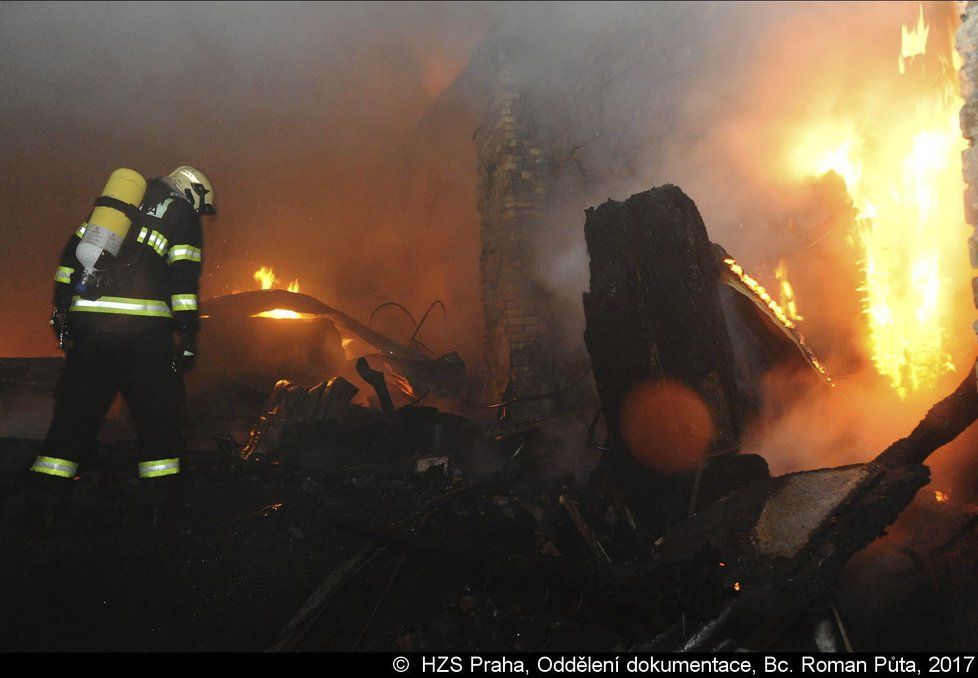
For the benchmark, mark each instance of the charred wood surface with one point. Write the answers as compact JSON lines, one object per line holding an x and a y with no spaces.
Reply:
{"x":779,"y":545}
{"x":943,"y":423}
{"x":653,"y":310}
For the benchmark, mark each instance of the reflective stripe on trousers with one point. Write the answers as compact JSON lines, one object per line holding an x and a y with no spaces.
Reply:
{"x":53,"y":466}
{"x":159,"y":467}
{"x":184,"y":302}
{"x":122,"y":305}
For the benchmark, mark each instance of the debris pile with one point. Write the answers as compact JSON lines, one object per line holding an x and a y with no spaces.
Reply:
{"x":324,"y":522}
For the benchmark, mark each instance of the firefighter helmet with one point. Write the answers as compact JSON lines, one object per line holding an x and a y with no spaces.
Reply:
{"x":196,"y":186}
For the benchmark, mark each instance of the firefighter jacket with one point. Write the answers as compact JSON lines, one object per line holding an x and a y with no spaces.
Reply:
{"x":154,"y":281}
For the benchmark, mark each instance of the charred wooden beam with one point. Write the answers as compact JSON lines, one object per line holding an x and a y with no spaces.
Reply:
{"x":376,"y":379}
{"x":653,"y":312}
{"x":942,"y":424}
{"x":780,"y":544}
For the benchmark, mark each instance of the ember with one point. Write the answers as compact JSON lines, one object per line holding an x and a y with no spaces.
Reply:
{"x":758,"y":289}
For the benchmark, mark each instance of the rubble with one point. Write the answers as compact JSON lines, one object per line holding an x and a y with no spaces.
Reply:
{"x":318,"y":349}
{"x":785,"y":540}
{"x":316,"y":523}
{"x":289,"y":404}
{"x":278,"y":551}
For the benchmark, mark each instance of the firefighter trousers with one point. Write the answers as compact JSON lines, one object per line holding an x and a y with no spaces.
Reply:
{"x":97,"y":367}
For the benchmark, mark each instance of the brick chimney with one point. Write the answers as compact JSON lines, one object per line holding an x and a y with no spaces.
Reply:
{"x":512,"y":169}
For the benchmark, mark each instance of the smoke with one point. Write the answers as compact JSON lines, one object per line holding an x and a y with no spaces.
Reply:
{"x":301,"y":114}
{"x":824,"y":62}
{"x":716,"y":98}
{"x":340,"y":157}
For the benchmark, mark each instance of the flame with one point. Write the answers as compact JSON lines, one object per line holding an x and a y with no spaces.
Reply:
{"x":759,"y":290}
{"x":787,"y":296}
{"x":400,"y":382}
{"x":265,"y":277}
{"x":913,"y":42}
{"x":349,"y":350}
{"x":941,"y":497}
{"x":284,"y":314}
{"x":780,"y":314}
{"x":736,"y":586}
{"x":902,"y":170}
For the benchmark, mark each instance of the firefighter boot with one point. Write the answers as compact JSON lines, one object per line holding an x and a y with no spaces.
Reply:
{"x":47,"y":499}
{"x":157,"y":500}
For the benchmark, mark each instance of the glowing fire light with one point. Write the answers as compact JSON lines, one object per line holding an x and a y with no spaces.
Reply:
{"x":762,"y":293}
{"x":941,"y":497}
{"x":400,"y":382}
{"x":265,"y":277}
{"x":913,"y":42}
{"x":779,"y":313}
{"x":787,"y":296}
{"x":903,"y":173}
{"x":284,"y":314}
{"x":736,"y":586}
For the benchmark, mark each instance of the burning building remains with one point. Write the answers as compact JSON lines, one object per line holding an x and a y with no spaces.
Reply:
{"x":670,"y":432}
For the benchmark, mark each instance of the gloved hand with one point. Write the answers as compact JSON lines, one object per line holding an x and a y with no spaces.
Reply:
{"x":186,"y":356}
{"x":57,"y":322}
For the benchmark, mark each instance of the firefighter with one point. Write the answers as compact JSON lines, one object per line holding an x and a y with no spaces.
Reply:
{"x":120,"y":324}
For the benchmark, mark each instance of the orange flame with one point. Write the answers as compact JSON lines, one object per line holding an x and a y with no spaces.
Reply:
{"x":787,"y":296}
{"x":759,"y":290}
{"x":265,"y":277}
{"x":941,"y":497}
{"x":284,"y":314}
{"x":400,"y":382}
{"x":902,"y":169}
{"x":779,"y":313}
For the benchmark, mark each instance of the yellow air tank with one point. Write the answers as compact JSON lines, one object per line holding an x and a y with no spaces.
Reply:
{"x":110,"y":220}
